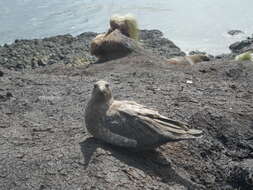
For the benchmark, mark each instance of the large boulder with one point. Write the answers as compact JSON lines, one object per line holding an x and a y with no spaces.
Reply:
{"x":242,"y":46}
{"x":114,"y":45}
{"x":158,"y":44}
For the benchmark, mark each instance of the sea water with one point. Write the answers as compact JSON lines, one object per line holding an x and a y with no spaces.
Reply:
{"x":190,"y":24}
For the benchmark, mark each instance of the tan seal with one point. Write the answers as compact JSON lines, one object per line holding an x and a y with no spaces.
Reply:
{"x":129,"y":124}
{"x":188,"y":60}
{"x":125,"y":24}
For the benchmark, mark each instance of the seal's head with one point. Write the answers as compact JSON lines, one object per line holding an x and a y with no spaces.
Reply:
{"x":126,"y":24}
{"x":102,"y":92}
{"x":204,"y":57}
{"x":96,"y":43}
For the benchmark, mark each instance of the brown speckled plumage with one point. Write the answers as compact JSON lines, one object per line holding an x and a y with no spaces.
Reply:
{"x":129,"y":124}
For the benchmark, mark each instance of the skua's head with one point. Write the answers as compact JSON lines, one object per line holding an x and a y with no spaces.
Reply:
{"x":101,"y":91}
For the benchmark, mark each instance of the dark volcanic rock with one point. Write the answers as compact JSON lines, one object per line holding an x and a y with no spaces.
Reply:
{"x":225,"y":57}
{"x":242,"y":46}
{"x":154,"y":40}
{"x":66,"y":49}
{"x":235,"y":32}
{"x":196,"y":52}
{"x":241,"y":174}
{"x":62,"y":49}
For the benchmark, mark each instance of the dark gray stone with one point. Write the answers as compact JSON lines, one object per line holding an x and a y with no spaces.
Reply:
{"x":242,"y":46}
{"x":235,"y":32}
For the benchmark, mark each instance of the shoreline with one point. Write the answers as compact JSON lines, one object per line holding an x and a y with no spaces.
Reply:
{"x":65,"y":49}
{"x":237,"y":37}
{"x":184,"y":48}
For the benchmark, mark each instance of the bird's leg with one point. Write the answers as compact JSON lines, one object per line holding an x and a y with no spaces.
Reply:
{"x":116,"y":139}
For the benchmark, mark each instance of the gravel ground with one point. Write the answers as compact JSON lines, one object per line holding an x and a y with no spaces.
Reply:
{"x":44,"y":143}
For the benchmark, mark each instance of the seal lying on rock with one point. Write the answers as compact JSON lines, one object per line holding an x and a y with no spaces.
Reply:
{"x":127,"y":24}
{"x":189,"y":60}
{"x":108,"y":42}
{"x":96,"y":43}
{"x":131,"y":125}
{"x":113,"y":45}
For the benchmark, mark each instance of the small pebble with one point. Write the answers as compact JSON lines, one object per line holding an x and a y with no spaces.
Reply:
{"x":189,"y":82}
{"x":1,"y":73}
{"x":9,"y":95}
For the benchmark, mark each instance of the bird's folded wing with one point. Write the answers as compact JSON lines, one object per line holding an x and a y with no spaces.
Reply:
{"x":124,"y":120}
{"x":136,"y":119}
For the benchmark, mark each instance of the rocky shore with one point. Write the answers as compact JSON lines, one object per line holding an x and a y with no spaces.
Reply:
{"x":46,"y":83}
{"x":69,"y":50}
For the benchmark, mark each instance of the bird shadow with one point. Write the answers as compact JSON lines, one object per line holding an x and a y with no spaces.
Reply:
{"x":88,"y":147}
{"x":151,"y":162}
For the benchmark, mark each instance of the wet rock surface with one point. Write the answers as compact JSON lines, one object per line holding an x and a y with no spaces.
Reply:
{"x":235,"y":32}
{"x":242,"y":46}
{"x":154,"y":40}
{"x":44,"y":143}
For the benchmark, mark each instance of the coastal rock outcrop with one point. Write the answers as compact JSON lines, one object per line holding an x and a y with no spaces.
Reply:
{"x":69,"y":50}
{"x":242,"y":46}
{"x":235,"y":32}
{"x":158,"y":44}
